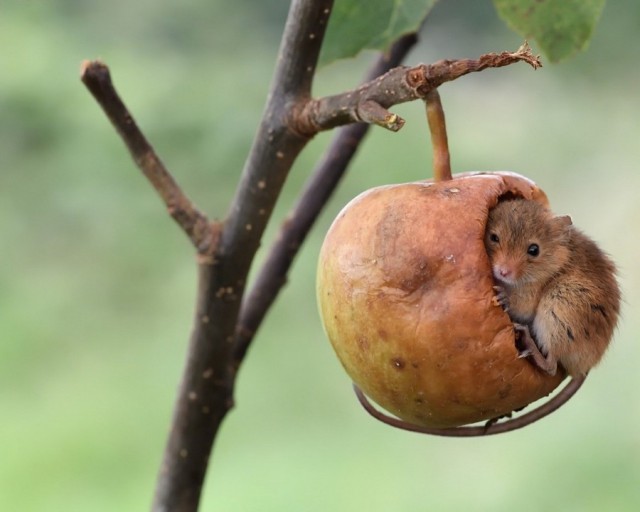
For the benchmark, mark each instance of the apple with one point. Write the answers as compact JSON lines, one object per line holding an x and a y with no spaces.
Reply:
{"x":406,"y":298}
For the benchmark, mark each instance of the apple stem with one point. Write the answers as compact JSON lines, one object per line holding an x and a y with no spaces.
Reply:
{"x":438,"y":129}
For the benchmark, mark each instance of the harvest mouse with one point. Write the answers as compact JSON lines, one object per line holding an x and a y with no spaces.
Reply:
{"x":556,"y":284}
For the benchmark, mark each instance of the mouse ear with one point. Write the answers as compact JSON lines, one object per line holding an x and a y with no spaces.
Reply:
{"x":563,"y":221}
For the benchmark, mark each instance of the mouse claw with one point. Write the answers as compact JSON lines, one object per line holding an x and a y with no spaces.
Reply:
{"x":524,"y":354}
{"x":500,"y":298}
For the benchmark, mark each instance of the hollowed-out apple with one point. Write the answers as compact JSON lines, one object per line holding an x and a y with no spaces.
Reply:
{"x":406,"y":297}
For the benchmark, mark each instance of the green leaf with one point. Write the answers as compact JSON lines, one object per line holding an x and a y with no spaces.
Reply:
{"x":375,"y":24}
{"x":561,"y":27}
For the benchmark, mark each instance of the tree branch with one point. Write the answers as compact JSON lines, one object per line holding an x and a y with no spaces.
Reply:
{"x":96,"y":77}
{"x":316,"y":193}
{"x":369,"y":102}
{"x":276,"y":145}
{"x":206,"y":390}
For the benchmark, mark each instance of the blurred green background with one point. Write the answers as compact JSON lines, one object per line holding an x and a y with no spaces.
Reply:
{"x":97,"y":284}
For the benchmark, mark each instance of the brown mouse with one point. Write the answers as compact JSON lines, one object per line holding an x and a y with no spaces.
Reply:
{"x":557,"y":286}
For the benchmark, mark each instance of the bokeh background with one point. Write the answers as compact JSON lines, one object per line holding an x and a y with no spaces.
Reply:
{"x":97,"y":285}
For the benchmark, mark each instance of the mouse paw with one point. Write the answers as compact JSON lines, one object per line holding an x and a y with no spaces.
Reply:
{"x":523,"y":340}
{"x":527,"y":347}
{"x":501,"y":298}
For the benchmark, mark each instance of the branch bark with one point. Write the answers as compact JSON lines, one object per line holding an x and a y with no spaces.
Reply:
{"x":206,"y":391}
{"x":316,"y":193}
{"x":276,"y":145}
{"x":96,"y":77}
{"x":369,"y":102}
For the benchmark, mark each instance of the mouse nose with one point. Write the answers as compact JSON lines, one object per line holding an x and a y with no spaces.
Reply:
{"x":504,"y":272}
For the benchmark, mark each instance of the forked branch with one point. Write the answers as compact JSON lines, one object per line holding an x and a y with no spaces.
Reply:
{"x":369,"y":102}
{"x":95,"y":75}
{"x":317,"y":191}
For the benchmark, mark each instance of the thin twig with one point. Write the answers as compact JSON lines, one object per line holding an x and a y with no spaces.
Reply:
{"x":490,"y":428}
{"x":316,"y":193}
{"x":369,"y":102}
{"x":95,"y":75}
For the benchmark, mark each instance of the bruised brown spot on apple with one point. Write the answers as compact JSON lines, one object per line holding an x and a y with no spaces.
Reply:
{"x":419,"y":274}
{"x":460,"y":345}
{"x":404,"y":267}
{"x":504,"y":393}
{"x":398,"y":363}
{"x":363,"y":343}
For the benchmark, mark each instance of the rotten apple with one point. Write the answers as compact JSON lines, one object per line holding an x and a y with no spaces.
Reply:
{"x":406,"y":297}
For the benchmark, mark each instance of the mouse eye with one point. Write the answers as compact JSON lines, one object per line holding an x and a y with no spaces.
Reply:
{"x":494,"y":238}
{"x":533,"y":250}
